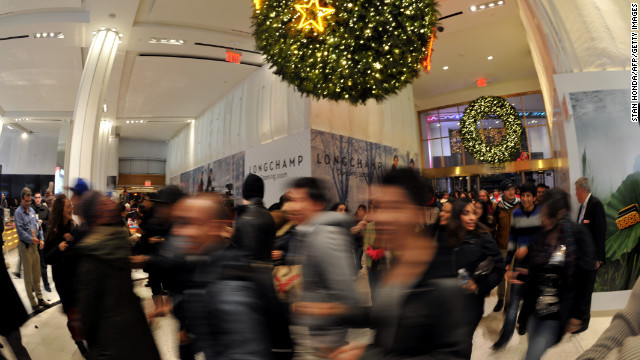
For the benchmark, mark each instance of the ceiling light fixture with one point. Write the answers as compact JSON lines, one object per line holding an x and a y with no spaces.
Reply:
{"x":155,"y":40}
{"x":24,"y":135}
{"x":486,"y":6}
{"x":9,"y":126}
{"x":445,"y":68}
{"x":50,"y":35}
{"x":490,"y":58}
{"x":104,"y":108}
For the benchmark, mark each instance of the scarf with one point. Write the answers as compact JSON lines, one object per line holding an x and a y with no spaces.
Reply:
{"x":507,"y":205}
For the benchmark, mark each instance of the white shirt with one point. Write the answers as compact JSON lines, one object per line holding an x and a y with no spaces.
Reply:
{"x":584,"y":208}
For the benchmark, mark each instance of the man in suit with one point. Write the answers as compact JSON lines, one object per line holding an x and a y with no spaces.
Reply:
{"x":591,"y":216}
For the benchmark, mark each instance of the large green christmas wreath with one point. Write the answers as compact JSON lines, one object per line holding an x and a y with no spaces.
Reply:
{"x":471,"y":139}
{"x":366,"y":49}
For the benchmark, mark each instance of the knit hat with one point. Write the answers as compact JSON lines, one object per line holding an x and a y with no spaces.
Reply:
{"x":168,"y":195}
{"x":506,"y":184}
{"x":253,"y":187}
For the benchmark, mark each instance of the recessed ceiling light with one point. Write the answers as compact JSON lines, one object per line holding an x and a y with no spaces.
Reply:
{"x":121,"y":35}
{"x":445,"y":68}
{"x":473,"y":8}
{"x":94,"y":33}
{"x":500,"y":2}
{"x":490,"y":58}
{"x":51,"y":34}
{"x":492,"y":4}
{"x":102,"y":28}
{"x":114,"y":29}
{"x":24,"y":135}
{"x":482,"y":7}
{"x":104,"y":107}
{"x":9,"y":126}
{"x":38,"y":35}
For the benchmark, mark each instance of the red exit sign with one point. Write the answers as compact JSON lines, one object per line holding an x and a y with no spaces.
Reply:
{"x":234,"y":57}
{"x":147,"y":183}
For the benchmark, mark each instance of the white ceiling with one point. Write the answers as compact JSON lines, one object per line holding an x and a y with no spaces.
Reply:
{"x":166,"y":85}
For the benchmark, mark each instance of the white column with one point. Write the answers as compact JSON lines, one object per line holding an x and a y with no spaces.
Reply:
{"x":86,"y":155}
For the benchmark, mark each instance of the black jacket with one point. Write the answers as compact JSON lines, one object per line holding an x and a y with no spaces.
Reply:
{"x":12,"y":311}
{"x":113,"y":322}
{"x":429,"y":325}
{"x":596,"y":222}
{"x":475,"y":249}
{"x":43,"y":214}
{"x":255,"y":231}
{"x":63,"y":263}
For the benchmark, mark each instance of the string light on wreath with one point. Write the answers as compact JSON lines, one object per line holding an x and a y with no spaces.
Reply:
{"x":472,"y":139}
{"x":355,"y":51}
{"x":313,"y":16}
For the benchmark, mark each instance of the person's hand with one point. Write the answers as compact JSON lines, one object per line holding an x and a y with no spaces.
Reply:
{"x":155,"y":239}
{"x":36,"y":241}
{"x":471,"y":286}
{"x":349,"y":352}
{"x":40,"y":221}
{"x":318,"y":309}
{"x":598,"y":264}
{"x":521,"y":253}
{"x":574,"y":325}
{"x":67,"y":237}
{"x":138,"y":261}
{"x":276,"y":254}
{"x":63,"y":246}
{"x":41,"y":244}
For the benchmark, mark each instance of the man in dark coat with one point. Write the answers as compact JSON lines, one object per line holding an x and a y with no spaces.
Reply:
{"x":42,"y":212}
{"x":254,"y":235}
{"x":12,"y":312}
{"x":592,"y":217}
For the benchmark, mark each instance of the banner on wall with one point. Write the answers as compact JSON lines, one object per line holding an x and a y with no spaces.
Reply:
{"x":610,"y":159}
{"x":278,"y":162}
{"x":223,"y":175}
{"x":349,"y":166}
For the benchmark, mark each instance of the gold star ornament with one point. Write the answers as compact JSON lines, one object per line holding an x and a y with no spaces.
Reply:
{"x":312,"y":14}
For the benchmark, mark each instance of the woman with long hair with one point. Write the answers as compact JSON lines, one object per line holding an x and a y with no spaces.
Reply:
{"x":59,"y":252}
{"x":558,"y":257}
{"x":476,"y":259}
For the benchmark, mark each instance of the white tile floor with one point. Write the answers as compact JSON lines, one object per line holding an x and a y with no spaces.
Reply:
{"x":46,"y":336}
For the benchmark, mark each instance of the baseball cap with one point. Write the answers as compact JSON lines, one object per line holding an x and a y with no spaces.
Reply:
{"x":80,"y":187}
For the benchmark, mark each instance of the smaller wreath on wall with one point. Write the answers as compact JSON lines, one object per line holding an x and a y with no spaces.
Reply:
{"x":472,"y":140}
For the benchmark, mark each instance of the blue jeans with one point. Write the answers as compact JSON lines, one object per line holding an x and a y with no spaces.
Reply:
{"x":543,"y":334}
{"x":511,"y":314}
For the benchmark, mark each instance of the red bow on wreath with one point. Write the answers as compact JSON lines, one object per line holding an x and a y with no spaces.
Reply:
{"x":375,"y":254}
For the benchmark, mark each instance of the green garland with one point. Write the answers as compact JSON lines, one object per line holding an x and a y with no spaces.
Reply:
{"x":471,"y":139}
{"x":369,"y":49}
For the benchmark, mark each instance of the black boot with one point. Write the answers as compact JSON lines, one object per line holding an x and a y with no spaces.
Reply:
{"x":499,"y":305}
{"x":82,"y":348}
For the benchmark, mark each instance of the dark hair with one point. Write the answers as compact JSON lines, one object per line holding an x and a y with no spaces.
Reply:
{"x":556,"y":200}
{"x":335,"y":206}
{"x":416,"y":188}
{"x":455,"y":229}
{"x":36,"y":193}
{"x":362,"y":206}
{"x":24,"y":193}
{"x":314,"y":188}
{"x":395,"y":157}
{"x":528,"y":187}
{"x":56,"y":224}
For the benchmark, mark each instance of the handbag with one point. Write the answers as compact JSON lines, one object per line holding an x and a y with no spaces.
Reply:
{"x":484,"y":268}
{"x":287,"y":280}
{"x":628,"y":217}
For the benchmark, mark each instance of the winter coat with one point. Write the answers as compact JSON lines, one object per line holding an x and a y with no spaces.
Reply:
{"x":502,"y":225}
{"x":255,"y":231}
{"x":475,"y":248}
{"x":113,"y":322}
{"x":429,"y":324}
{"x":63,"y":263}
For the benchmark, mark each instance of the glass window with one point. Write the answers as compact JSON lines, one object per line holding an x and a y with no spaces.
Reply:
{"x":429,"y":117}
{"x":433,"y":130}
{"x":449,"y":127}
{"x":470,"y":160}
{"x":539,"y":141}
{"x":533,"y":103}
{"x":450,"y":114}
{"x":433,"y":153}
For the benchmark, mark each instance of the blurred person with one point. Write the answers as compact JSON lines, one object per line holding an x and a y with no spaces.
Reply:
{"x":445,"y":197}
{"x":432,"y":209}
{"x":339,"y":207}
{"x":517,"y":192}
{"x":463,"y":195}
{"x":621,"y":340}
{"x":254,"y":235}
{"x":473,"y":196}
{"x":443,"y":263}
{"x":30,"y":239}
{"x":552,"y":304}
{"x":502,"y":211}
{"x":395,"y":163}
{"x":483,"y":195}
{"x":42,"y":214}
{"x":112,"y":318}
{"x":155,"y":227}
{"x":49,"y":195}
{"x":525,"y":224}
{"x":482,"y":212}
{"x":60,"y":252}
{"x":540,"y":190}
{"x":209,"y":187}
{"x":201,"y":183}
{"x":12,"y":313}
{"x":217,"y":299}
{"x":359,"y":224}
{"x":477,"y":260}
{"x":591,"y":216}
{"x":376,"y":256}
{"x":323,"y":245}
{"x":4,"y":204}
{"x":417,"y":314}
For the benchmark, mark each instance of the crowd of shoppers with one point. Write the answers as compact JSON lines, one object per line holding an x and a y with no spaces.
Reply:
{"x":236,"y":278}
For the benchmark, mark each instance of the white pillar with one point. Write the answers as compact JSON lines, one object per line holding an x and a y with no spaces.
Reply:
{"x":86,"y":155}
